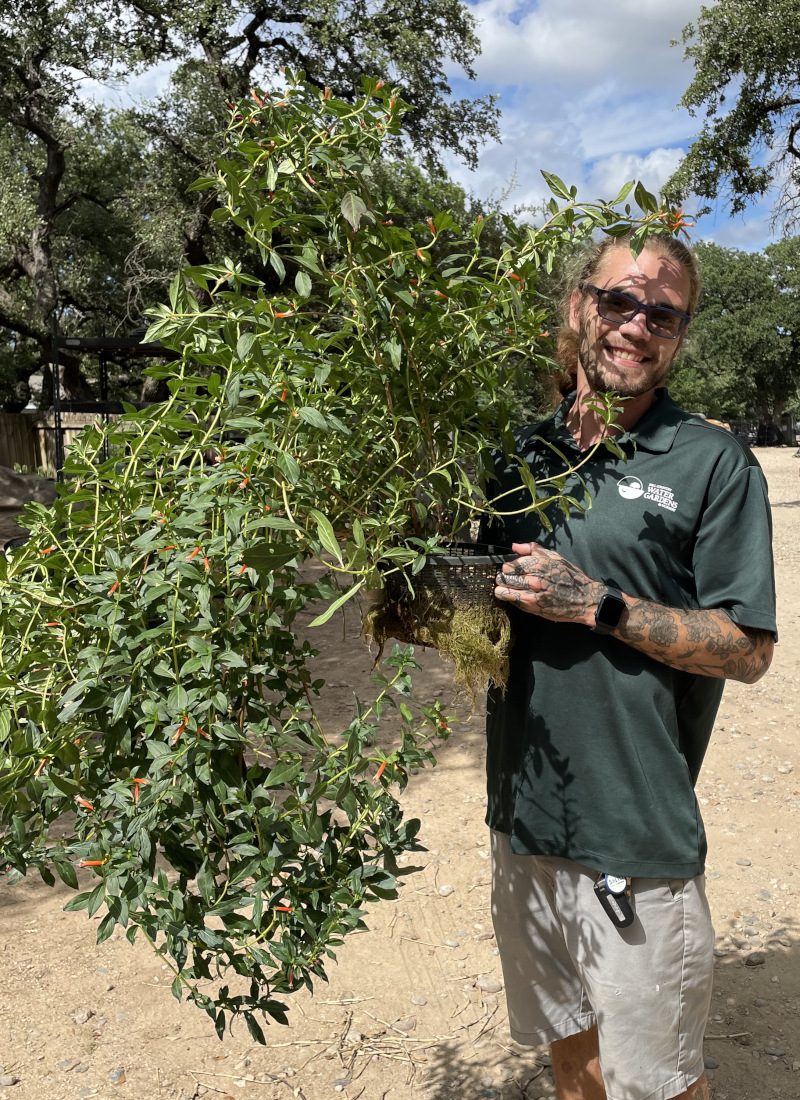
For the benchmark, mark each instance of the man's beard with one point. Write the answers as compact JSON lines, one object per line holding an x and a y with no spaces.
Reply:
{"x":605,"y":379}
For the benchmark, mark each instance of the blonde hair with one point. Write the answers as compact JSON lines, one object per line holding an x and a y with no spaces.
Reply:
{"x":583,"y":269}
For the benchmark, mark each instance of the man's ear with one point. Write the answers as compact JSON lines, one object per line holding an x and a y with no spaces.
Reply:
{"x":575,"y":303}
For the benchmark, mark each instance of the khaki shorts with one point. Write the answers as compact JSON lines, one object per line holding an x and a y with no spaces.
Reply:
{"x":567,"y":967}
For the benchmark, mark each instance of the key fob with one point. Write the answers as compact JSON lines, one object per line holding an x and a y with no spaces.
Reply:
{"x":612,"y":894}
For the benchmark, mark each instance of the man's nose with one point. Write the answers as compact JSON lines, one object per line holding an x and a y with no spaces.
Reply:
{"x":636,"y":326}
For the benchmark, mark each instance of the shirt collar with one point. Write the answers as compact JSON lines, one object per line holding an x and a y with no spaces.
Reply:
{"x":654,"y":431}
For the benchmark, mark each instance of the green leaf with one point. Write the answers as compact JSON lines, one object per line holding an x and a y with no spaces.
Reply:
{"x":337,"y":603}
{"x":96,"y":898}
{"x":645,"y":200}
{"x":288,"y":466}
{"x":121,"y":704}
{"x":278,"y":523}
{"x":80,"y":901}
{"x":326,"y":534}
{"x":302,"y":284}
{"x":205,"y":882}
{"x":313,"y":417}
{"x":353,"y":208}
{"x":267,"y":557}
{"x":244,"y":345}
{"x":394,"y":351}
{"x":282,"y":775}
{"x":66,"y":872}
{"x":202,"y":184}
{"x":276,"y":263}
{"x":557,"y":185}
{"x":255,"y":1029}
{"x":106,"y":927}
{"x":626,"y":190}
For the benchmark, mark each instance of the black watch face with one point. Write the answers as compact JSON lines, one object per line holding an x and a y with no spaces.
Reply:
{"x":610,"y":610}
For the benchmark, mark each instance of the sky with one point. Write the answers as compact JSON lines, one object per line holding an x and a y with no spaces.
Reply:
{"x":586,"y":90}
{"x":589,"y":91}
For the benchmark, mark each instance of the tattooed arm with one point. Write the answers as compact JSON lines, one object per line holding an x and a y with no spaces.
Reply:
{"x":706,"y":642}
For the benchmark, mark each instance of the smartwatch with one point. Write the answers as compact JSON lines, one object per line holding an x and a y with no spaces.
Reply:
{"x":609,"y":611}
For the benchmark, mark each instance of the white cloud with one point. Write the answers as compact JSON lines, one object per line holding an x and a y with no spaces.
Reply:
{"x":581,"y":43}
{"x":606,"y":176}
{"x":147,"y":85}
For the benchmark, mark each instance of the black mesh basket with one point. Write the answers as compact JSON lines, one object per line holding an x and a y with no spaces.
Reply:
{"x":464,"y":575}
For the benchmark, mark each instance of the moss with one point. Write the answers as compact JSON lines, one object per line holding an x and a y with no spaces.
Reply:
{"x":475,"y":637}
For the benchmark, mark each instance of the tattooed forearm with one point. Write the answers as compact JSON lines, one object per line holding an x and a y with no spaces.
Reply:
{"x":707,"y":643}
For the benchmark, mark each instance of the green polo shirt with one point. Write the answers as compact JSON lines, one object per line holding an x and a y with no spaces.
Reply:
{"x":594,"y":749}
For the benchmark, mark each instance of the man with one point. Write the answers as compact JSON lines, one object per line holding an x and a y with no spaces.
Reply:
{"x":627,"y":617}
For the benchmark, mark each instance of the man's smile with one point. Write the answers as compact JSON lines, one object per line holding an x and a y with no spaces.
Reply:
{"x":626,"y":355}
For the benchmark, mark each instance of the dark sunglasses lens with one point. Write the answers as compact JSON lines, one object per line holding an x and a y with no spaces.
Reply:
{"x":616,"y":307}
{"x":663,"y":322}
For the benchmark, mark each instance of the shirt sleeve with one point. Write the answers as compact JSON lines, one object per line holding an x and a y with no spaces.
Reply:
{"x":733,"y":566}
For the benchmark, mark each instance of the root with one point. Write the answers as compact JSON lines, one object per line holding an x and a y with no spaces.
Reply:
{"x":475,"y":637}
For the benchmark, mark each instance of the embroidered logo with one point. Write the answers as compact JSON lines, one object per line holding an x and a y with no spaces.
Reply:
{"x":661,"y":495}
{"x":630,"y":488}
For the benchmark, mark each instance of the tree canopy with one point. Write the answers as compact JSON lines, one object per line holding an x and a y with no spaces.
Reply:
{"x":743,"y":350}
{"x":94,"y":211}
{"x":746,"y":56}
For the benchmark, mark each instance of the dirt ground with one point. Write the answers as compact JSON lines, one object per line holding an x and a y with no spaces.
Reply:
{"x":415,"y":1007}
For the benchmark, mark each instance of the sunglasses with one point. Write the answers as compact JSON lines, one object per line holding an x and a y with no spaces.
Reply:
{"x":619,"y":308}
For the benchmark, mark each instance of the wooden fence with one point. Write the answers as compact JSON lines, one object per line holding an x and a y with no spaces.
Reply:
{"x":29,"y":439}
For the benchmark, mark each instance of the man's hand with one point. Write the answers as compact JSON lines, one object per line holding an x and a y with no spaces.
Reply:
{"x":543,"y":583}
{"x":706,"y":642}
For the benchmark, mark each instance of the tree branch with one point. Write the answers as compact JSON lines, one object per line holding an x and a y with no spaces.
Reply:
{"x":73,"y":197}
{"x":794,"y":129}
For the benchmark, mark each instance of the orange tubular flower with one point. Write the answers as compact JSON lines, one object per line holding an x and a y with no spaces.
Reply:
{"x":83,"y":802}
{"x":194,"y":553}
{"x":136,"y":783}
